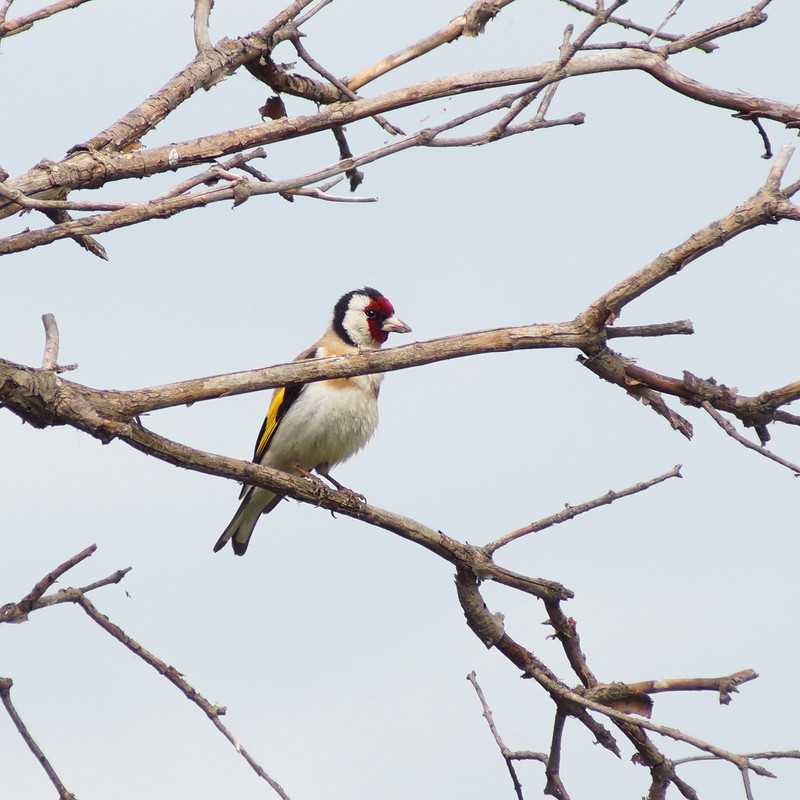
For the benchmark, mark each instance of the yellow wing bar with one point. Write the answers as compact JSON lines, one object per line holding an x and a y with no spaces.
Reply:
{"x":270,"y":423}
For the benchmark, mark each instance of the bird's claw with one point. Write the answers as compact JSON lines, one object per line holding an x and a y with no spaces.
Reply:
{"x":356,"y":497}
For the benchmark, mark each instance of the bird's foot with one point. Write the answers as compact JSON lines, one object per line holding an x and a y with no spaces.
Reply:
{"x":356,"y":497}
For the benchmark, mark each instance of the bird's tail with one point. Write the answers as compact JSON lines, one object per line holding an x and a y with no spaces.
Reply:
{"x":255,"y":503}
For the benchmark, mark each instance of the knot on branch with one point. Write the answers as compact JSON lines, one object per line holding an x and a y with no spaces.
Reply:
{"x":32,"y":395}
{"x":486,"y":626}
{"x":620,"y":697}
{"x":279,"y":78}
{"x":697,"y":390}
{"x":477,"y":15}
{"x":13,"y":612}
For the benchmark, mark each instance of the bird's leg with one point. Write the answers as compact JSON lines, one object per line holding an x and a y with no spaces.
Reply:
{"x":322,"y":469}
{"x":304,"y":473}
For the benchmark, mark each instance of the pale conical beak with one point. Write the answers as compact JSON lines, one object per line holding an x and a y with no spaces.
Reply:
{"x":395,"y":325}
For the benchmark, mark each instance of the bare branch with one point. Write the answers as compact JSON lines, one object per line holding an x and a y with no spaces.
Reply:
{"x":18,"y":612}
{"x":631,"y":25}
{"x":44,"y":204}
{"x":212,"y":711}
{"x":734,"y":434}
{"x":201,"y":16}
{"x":94,"y":164}
{"x":471,"y":23}
{"x":25,"y":22}
{"x":554,"y":787}
{"x":35,"y":600}
{"x":50,"y":357}
{"x":670,"y":14}
{"x":21,"y":386}
{"x":311,"y":12}
{"x":508,"y":755}
{"x":570,"y":512}
{"x":682,"y":328}
{"x":749,"y":19}
{"x":770,"y":754}
{"x":725,"y":685}
{"x":344,"y":89}
{"x":5,"y":696}
{"x":42,"y":398}
{"x":478,"y":616}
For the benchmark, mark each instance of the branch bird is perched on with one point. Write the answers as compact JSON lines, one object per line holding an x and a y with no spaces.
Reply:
{"x":318,"y":425}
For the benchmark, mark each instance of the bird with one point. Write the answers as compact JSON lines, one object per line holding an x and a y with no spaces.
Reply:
{"x":315,"y":426}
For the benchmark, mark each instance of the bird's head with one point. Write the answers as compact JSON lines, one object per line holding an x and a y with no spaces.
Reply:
{"x":365,"y":318}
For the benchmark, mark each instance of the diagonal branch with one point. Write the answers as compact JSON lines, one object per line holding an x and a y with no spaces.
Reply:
{"x":26,"y":21}
{"x":470,"y":23}
{"x":36,"y":599}
{"x":570,"y":512}
{"x":5,"y":697}
{"x":509,"y":756}
{"x":734,"y":434}
{"x":212,"y":711}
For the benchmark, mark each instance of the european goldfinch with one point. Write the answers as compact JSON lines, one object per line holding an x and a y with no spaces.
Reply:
{"x":318,"y":425}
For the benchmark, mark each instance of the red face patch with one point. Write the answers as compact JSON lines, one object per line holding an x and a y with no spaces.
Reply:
{"x":377,"y":312}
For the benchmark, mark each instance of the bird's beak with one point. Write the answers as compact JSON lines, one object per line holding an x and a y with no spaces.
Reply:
{"x":395,"y":325}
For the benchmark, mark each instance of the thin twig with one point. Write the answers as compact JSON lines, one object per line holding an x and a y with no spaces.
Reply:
{"x":43,"y":204}
{"x":753,"y":756}
{"x":31,"y":600}
{"x":354,"y":175}
{"x":469,"y":23}
{"x":554,"y":787}
{"x":212,"y":711}
{"x":311,"y":11}
{"x":110,"y":580}
{"x":5,"y":696}
{"x":343,"y":88}
{"x":36,"y":599}
{"x":239,"y":161}
{"x":749,"y":19}
{"x":509,"y":756}
{"x":565,"y":629}
{"x":570,"y":512}
{"x":567,"y":51}
{"x":319,"y":194}
{"x":670,"y":14}
{"x":631,"y":25}
{"x":492,"y":135}
{"x":23,"y":23}
{"x":733,"y":433}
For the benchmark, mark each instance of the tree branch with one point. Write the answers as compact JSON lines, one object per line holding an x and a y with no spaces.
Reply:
{"x":25,"y":22}
{"x":35,"y":600}
{"x":570,"y":512}
{"x":5,"y":697}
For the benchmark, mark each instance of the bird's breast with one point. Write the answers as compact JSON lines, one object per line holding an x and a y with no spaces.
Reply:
{"x":329,"y":422}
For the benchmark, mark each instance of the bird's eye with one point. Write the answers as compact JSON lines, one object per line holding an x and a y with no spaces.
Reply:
{"x":371,"y":313}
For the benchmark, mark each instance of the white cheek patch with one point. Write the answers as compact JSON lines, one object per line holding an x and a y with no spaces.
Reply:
{"x":355,"y":321}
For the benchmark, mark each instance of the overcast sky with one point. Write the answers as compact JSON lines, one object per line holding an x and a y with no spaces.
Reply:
{"x":340,"y":650}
